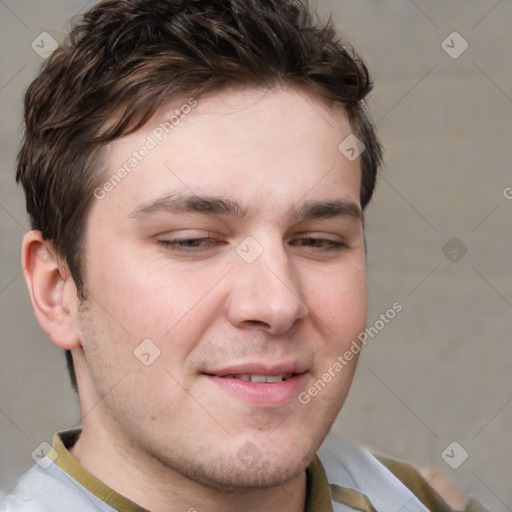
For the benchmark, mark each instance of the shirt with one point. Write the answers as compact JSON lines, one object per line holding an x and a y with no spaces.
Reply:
{"x":343,"y":477}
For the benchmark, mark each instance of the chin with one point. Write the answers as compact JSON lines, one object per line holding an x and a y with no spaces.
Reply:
{"x":236,"y":479}
{"x":249,"y":470}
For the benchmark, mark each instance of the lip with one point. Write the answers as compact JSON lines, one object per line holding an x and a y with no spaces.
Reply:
{"x":259,"y":369}
{"x":256,"y":394}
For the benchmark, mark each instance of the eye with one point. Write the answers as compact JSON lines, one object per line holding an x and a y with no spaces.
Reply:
{"x":319,"y":243}
{"x":189,"y":244}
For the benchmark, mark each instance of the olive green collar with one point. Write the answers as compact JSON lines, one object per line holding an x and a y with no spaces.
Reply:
{"x":318,"y":498}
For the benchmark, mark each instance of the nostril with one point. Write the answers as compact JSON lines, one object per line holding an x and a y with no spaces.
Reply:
{"x":257,"y":323}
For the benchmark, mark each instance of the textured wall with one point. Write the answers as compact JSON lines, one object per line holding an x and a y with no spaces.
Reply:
{"x":438,"y":231}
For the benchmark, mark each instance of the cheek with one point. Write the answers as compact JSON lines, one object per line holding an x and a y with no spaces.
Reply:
{"x":339,"y":301}
{"x":156,"y":300}
{"x":133,"y":292}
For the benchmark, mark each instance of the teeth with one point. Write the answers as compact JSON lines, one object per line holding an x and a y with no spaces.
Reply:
{"x":260,"y":378}
{"x":274,"y":378}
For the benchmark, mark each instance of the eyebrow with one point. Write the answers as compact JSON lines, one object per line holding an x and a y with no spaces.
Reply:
{"x":213,"y":205}
{"x":328,"y":209}
{"x":193,"y":203}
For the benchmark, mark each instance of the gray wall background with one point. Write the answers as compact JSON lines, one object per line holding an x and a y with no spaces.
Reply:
{"x":440,"y":371}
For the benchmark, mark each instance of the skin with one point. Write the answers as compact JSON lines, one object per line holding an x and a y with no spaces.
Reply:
{"x":165,"y":435}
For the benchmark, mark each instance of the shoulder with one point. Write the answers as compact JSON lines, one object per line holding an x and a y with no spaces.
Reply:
{"x":388,"y":483}
{"x":421,"y":488}
{"x":12,"y":503}
{"x":416,"y":483}
{"x":48,"y":488}
{"x":24,"y":496}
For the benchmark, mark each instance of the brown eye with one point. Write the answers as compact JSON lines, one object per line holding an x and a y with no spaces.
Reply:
{"x":188,"y":244}
{"x":319,"y":243}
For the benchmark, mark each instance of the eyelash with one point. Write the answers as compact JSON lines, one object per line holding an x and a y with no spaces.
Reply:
{"x":179,"y":245}
{"x":175,"y":245}
{"x":331,"y":244}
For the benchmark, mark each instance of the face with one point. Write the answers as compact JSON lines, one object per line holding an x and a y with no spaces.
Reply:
{"x":225,"y":274}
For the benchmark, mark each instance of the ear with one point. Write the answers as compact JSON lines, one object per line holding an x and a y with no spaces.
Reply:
{"x":52,"y":290}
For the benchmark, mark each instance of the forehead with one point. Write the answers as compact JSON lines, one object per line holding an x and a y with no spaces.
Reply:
{"x":257,"y":146}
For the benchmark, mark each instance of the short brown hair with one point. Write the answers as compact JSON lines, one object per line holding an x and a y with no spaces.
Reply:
{"x":125,"y":58}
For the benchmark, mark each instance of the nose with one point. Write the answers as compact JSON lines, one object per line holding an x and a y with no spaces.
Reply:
{"x":266,"y":293}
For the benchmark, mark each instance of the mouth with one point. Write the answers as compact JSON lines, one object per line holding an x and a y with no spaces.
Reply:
{"x":260,"y":385}
{"x":262,"y":379}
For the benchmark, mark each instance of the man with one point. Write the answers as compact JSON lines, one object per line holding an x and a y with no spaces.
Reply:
{"x":196,"y":175}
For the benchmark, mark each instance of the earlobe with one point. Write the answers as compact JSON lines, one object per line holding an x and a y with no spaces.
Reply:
{"x":48,"y":281}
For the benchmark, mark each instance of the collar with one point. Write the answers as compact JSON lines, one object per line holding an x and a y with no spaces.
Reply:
{"x":318,"y":496}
